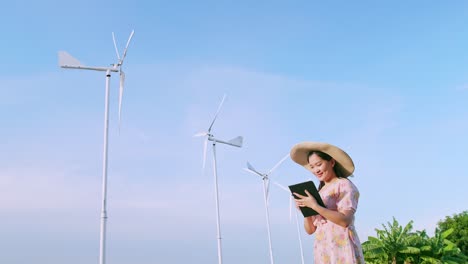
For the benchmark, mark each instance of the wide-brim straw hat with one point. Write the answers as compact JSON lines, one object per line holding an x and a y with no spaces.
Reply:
{"x":344,"y":164}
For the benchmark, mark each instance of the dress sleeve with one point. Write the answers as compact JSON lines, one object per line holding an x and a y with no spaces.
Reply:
{"x":348,"y":196}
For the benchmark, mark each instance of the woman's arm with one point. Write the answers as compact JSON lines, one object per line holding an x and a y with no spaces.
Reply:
{"x":309,"y":225}
{"x":343,"y":219}
{"x":308,"y":222}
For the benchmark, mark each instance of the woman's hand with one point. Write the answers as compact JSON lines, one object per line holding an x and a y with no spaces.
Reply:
{"x":306,"y":201}
{"x":343,"y":219}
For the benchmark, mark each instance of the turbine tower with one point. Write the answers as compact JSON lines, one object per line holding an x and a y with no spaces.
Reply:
{"x":236,"y":142}
{"x":69,"y":62}
{"x":266,"y":187}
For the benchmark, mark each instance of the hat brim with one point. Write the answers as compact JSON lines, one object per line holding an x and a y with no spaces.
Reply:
{"x":344,"y":164}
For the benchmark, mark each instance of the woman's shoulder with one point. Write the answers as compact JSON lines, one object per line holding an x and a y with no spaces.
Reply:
{"x":346,"y":184}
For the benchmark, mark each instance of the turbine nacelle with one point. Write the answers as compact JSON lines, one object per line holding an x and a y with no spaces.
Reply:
{"x":252,"y":170}
{"x":68,"y":61}
{"x":265,"y":176}
{"x":236,"y":142}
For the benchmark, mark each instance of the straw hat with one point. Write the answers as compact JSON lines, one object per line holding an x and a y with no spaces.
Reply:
{"x":344,"y":164}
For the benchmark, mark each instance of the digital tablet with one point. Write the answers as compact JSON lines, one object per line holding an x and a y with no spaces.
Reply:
{"x":310,"y":187}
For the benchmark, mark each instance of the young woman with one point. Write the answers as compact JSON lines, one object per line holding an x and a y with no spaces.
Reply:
{"x":336,"y":240}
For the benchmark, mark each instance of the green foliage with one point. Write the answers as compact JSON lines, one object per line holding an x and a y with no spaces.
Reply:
{"x":391,"y":245}
{"x":459,"y":224}
{"x":397,"y":244}
{"x":438,"y":249}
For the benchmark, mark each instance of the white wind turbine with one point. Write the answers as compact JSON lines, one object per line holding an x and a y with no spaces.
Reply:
{"x":236,"y":142}
{"x":69,"y":62}
{"x":266,"y":186}
{"x":291,"y":202}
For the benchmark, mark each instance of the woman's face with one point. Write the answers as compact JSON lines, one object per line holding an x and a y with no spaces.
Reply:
{"x":321,"y":168}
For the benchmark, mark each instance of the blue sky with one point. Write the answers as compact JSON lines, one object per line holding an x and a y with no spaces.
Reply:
{"x":387,"y":82}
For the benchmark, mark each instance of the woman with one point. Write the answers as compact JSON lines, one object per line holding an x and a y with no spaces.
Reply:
{"x":336,"y":240}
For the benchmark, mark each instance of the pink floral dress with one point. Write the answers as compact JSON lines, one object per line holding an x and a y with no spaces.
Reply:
{"x":335,"y":244}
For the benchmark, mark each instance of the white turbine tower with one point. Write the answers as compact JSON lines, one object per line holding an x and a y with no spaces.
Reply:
{"x":266,"y":186}
{"x":69,"y":62}
{"x":236,"y":142}
{"x":291,"y":202}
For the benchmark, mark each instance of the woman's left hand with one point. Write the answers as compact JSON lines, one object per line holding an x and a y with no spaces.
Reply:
{"x":306,"y":201}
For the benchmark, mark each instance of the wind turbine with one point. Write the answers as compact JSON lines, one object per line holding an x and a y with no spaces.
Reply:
{"x":69,"y":62}
{"x":236,"y":142}
{"x":266,"y":186}
{"x":291,"y":202}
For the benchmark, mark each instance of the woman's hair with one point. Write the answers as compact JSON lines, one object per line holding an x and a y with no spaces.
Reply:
{"x":326,"y":157}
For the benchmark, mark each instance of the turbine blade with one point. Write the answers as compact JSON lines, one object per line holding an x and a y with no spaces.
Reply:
{"x":115,"y":46}
{"x":290,"y":208}
{"x":121,"y":90}
{"x":205,"y":146}
{"x":281,"y":186}
{"x":126,"y":46}
{"x":66,"y":59}
{"x":217,"y":112}
{"x":279,"y":163}
{"x":200,"y":134}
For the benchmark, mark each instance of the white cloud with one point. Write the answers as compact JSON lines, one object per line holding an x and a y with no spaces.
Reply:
{"x":37,"y":188}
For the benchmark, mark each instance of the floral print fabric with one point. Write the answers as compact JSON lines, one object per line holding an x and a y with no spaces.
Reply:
{"x":335,"y":244}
